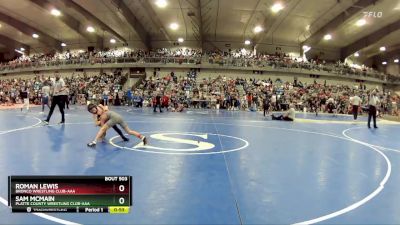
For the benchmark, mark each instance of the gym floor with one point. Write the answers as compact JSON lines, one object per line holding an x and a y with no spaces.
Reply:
{"x":215,"y":167}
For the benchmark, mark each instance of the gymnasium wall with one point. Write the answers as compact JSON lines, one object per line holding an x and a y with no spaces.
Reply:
{"x":164,"y":71}
{"x":392,"y":68}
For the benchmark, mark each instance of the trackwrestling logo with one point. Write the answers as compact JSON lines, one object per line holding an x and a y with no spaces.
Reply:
{"x":188,"y":143}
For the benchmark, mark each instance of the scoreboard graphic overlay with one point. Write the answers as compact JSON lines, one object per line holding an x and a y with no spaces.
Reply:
{"x":70,"y":194}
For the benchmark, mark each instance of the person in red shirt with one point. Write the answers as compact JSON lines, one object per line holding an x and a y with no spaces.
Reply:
{"x":250,"y":100}
{"x":165,"y":102}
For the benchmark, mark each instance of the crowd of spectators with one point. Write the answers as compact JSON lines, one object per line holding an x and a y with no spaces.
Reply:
{"x":107,"y":56}
{"x":174,"y":92}
{"x":81,"y":88}
{"x":280,"y":60}
{"x":236,"y":58}
{"x":10,"y":90}
{"x":251,"y":94}
{"x":306,"y":96}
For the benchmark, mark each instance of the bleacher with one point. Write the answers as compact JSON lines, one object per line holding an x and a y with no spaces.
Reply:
{"x":192,"y":59}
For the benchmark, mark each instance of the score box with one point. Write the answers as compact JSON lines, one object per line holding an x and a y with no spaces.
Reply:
{"x":87,"y":194}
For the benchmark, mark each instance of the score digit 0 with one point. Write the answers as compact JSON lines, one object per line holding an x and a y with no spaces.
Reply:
{"x":121,"y":200}
{"x":121,"y":188}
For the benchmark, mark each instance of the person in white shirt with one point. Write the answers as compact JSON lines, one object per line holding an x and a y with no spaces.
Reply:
{"x":288,"y":116}
{"x":106,"y":93}
{"x":45,"y":95}
{"x":372,"y":102}
{"x":331,"y":106}
{"x":59,"y":91}
{"x":355,"y":101}
{"x":273,"y":102}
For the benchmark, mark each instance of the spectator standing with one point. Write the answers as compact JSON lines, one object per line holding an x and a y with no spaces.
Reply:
{"x":24,"y":96}
{"x":266,"y":104}
{"x":165,"y":102}
{"x":356,"y":104}
{"x":45,"y":95}
{"x":106,"y":93}
{"x":157,"y":102}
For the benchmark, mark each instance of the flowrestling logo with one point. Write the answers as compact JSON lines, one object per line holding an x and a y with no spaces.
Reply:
{"x":187,"y":143}
{"x":373,"y":14}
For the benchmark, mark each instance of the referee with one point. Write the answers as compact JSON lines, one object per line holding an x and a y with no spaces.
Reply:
{"x":373,"y":102}
{"x":59,"y":91}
